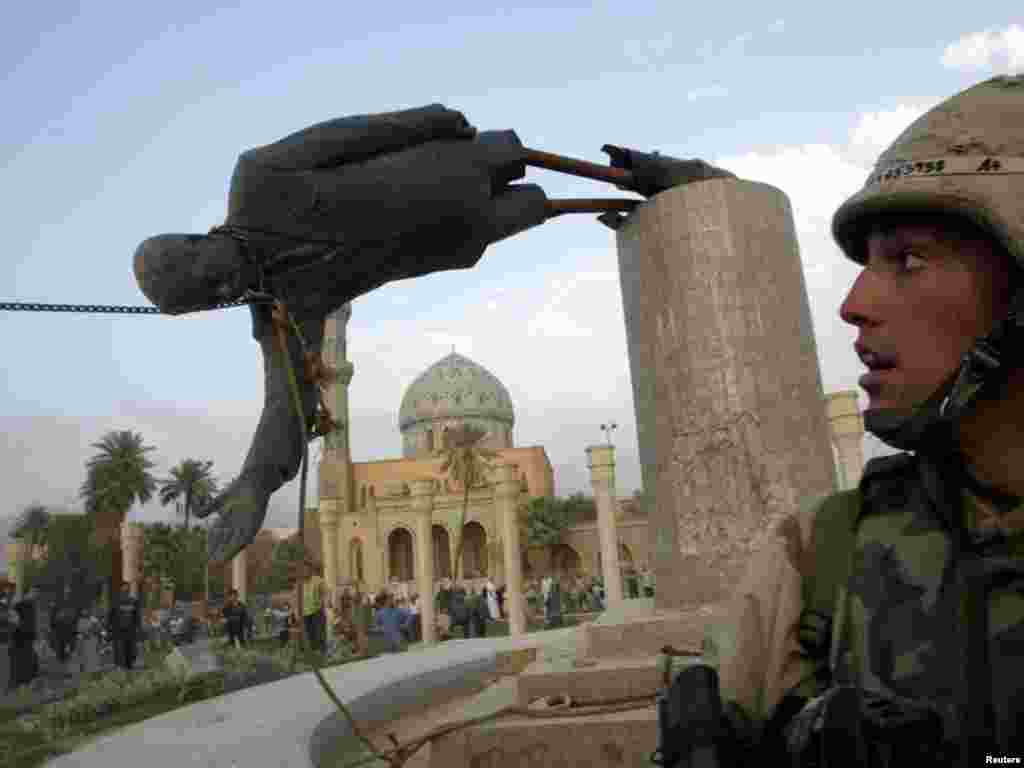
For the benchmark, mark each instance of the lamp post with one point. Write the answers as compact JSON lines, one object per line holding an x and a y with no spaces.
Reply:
{"x":607,"y":429}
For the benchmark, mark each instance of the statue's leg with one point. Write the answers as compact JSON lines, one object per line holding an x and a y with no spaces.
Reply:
{"x":277,"y":446}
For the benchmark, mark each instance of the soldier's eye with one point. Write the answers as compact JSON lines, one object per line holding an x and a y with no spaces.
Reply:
{"x":910,"y":260}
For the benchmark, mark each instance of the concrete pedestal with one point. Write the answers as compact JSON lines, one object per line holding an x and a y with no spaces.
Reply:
{"x":726,"y":380}
{"x":601,"y":462}
{"x":423,"y":507}
{"x":506,"y":493}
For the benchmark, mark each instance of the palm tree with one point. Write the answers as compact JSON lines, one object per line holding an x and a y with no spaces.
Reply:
{"x":191,"y":481}
{"x":116,"y":477}
{"x":467,"y":463}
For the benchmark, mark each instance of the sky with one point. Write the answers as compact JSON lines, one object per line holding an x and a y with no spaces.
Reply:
{"x":125,"y":121}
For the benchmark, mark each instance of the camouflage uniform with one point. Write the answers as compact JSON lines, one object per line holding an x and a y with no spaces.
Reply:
{"x":928,"y":604}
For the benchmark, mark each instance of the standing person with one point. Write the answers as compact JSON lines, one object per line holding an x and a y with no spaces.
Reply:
{"x":289,"y":622}
{"x":555,"y":604}
{"x":491,"y":596}
{"x":647,"y":580}
{"x":392,"y":621}
{"x":24,"y":661}
{"x":545,"y":593}
{"x":632,"y":583}
{"x":125,"y":620}
{"x":62,"y":627}
{"x":88,"y":643}
{"x":500,"y":594}
{"x":479,"y":614}
{"x":459,"y":610}
{"x":313,"y":607}
{"x":415,"y":626}
{"x":885,"y":620}
{"x":236,"y":620}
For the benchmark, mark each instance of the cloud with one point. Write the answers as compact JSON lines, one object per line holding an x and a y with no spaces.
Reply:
{"x":875,"y":131}
{"x":999,"y":50}
{"x":707,"y":92}
{"x":649,"y":52}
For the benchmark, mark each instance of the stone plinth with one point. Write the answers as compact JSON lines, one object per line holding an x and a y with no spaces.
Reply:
{"x":726,"y":381}
{"x":422,"y":492}
{"x":847,"y":428}
{"x":606,"y":680}
{"x":507,"y":491}
{"x":618,"y":739}
{"x":644,"y":637}
{"x":601,"y":462}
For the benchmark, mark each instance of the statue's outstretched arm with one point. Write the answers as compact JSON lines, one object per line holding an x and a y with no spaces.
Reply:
{"x":336,"y":210}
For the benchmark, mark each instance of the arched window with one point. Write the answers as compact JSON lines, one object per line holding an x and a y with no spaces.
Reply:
{"x":362,"y":495}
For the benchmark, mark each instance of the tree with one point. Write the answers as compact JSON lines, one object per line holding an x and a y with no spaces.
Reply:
{"x":32,"y":527}
{"x":580,"y":508}
{"x":286,"y":554}
{"x":467,"y":463}
{"x":192,"y":482}
{"x":160,"y":550}
{"x":71,"y":573}
{"x":116,"y":477}
{"x":546,"y":519}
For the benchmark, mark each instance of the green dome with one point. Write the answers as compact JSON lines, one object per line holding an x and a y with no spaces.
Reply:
{"x":455,"y":387}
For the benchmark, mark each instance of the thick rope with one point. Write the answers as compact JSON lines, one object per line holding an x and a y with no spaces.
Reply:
{"x":283,"y":322}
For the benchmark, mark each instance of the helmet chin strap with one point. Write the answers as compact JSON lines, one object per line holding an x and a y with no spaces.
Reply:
{"x":933,"y":426}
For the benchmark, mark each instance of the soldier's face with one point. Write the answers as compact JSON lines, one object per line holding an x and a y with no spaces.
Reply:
{"x":922,"y":299}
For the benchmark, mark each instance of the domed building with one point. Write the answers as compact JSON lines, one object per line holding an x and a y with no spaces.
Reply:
{"x":376,"y":525}
{"x":452,"y":392}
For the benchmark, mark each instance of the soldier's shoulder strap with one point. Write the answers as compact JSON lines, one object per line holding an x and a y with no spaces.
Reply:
{"x":834,"y":530}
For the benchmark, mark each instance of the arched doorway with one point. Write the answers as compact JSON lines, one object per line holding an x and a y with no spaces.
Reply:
{"x":400,"y":555}
{"x":355,"y":560}
{"x":442,"y":552}
{"x":474,"y":551}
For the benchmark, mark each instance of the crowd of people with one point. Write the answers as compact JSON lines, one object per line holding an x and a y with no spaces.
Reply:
{"x":463,"y":609}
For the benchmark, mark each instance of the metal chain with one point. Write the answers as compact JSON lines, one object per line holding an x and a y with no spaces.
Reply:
{"x":30,"y":306}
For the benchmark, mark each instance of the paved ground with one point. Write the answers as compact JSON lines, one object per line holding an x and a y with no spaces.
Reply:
{"x":232,"y":729}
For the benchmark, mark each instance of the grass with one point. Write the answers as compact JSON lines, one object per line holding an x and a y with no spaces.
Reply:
{"x":22,"y":748}
{"x":29,"y":749}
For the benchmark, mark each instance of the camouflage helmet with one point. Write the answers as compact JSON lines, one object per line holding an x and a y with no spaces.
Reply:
{"x":965,"y":157}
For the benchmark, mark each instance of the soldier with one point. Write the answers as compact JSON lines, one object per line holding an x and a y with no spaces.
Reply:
{"x":125,"y":621}
{"x":885,"y":624}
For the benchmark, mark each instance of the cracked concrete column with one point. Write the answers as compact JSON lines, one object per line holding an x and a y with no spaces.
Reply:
{"x":422,"y":492}
{"x":131,"y":554}
{"x":727,"y":389}
{"x":240,"y":574}
{"x":507,"y":491}
{"x":601,"y":462}
{"x":847,"y":428}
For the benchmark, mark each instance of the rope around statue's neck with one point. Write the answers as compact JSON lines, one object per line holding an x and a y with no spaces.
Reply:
{"x":320,"y":374}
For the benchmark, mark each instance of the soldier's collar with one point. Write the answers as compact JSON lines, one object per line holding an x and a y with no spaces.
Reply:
{"x":1001,"y":502}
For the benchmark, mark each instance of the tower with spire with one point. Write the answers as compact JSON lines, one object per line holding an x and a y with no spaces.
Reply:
{"x":335,"y":471}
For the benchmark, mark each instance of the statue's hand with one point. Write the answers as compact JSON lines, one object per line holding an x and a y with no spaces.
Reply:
{"x":328,"y":214}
